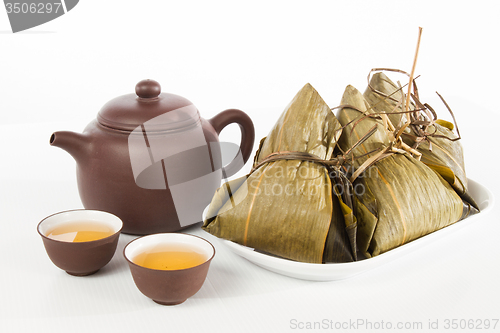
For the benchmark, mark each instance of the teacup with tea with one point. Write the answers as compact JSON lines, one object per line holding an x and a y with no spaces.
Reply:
{"x":80,"y":241}
{"x":169,"y":267}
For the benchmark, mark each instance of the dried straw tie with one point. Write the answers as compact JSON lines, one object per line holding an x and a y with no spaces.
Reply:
{"x":335,"y":162}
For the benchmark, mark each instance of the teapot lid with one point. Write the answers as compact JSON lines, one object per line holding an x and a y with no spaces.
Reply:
{"x":161,"y":111}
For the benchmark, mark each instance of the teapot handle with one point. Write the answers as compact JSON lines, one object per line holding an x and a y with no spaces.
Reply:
{"x":247,"y":136}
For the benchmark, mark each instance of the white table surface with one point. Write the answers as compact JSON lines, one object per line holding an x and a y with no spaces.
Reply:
{"x":88,"y":64}
{"x":454,"y":278}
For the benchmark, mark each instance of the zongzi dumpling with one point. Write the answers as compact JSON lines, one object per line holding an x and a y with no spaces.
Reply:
{"x":398,"y":198}
{"x":439,"y":153}
{"x":286,"y":207}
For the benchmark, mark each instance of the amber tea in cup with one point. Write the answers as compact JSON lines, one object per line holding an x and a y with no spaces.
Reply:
{"x":80,"y":231}
{"x":170,"y":257}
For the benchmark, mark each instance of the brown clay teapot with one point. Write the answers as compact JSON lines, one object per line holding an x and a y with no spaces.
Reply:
{"x":150,"y":159}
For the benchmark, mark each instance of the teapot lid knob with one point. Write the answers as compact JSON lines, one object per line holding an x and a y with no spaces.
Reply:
{"x":148,"y":89}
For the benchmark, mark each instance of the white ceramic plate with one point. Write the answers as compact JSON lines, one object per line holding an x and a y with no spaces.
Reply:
{"x":330,"y":272}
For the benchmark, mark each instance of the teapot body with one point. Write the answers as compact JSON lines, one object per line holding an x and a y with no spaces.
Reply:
{"x":150,"y":159}
{"x":148,"y":203}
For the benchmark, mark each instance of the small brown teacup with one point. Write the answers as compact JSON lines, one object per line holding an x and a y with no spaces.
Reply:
{"x":80,"y":241}
{"x":169,"y":267}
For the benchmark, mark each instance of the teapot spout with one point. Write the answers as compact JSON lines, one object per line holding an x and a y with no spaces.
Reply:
{"x":75,"y":144}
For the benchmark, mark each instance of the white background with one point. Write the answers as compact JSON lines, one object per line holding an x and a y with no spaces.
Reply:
{"x":253,"y":56}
